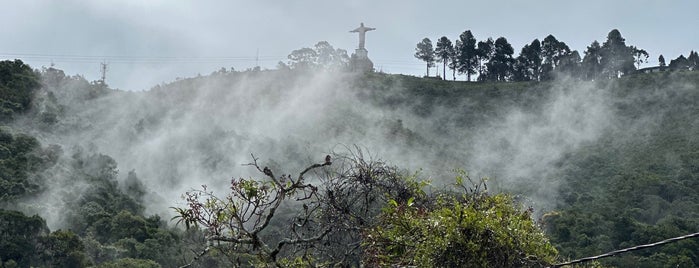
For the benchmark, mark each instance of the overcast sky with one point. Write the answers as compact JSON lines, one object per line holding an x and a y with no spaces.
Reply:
{"x":149,"y":42}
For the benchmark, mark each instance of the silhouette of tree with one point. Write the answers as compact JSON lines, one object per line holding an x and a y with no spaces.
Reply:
{"x":444,"y":53}
{"x":661,"y":61}
{"x":425,"y":52}
{"x":467,"y":54}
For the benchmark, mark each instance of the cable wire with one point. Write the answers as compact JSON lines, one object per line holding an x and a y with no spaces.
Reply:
{"x":612,"y":253}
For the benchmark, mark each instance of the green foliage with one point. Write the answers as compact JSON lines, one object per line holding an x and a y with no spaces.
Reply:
{"x":17,"y":86}
{"x":19,"y":157}
{"x":425,"y":52}
{"x":627,"y":190}
{"x":500,"y":65}
{"x":130,"y":263}
{"x":63,"y":249}
{"x":321,"y":56}
{"x":19,"y":237}
{"x":471,"y":230}
{"x":445,"y":53}
{"x":466,"y":54}
{"x":617,"y":57}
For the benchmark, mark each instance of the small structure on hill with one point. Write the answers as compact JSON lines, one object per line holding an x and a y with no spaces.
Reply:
{"x":359,"y":61}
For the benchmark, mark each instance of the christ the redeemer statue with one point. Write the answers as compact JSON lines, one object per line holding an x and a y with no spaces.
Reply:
{"x":362,"y":33}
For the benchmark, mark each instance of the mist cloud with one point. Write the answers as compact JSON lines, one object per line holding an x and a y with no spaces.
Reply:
{"x":198,"y":131}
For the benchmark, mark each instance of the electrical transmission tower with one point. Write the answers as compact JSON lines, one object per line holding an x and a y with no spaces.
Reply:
{"x":103,"y":69}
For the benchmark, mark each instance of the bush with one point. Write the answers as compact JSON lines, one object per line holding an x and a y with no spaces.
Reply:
{"x":468,"y":230}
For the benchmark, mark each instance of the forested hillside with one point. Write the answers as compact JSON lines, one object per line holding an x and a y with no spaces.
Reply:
{"x":89,"y":174}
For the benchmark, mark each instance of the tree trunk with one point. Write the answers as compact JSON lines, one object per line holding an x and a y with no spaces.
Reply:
{"x":444,"y":70}
{"x":428,"y":69}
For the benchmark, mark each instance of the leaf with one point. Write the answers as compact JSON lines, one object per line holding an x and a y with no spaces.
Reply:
{"x":393,"y":203}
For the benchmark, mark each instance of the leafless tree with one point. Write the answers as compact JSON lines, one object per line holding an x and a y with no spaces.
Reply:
{"x":283,"y":218}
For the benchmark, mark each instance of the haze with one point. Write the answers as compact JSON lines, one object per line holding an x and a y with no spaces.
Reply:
{"x":148,"y":43}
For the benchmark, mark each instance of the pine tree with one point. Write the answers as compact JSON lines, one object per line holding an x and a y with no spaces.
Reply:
{"x":467,"y":55}
{"x":444,"y":53}
{"x":425,"y":52}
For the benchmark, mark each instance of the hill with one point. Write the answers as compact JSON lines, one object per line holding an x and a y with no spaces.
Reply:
{"x":604,"y":164}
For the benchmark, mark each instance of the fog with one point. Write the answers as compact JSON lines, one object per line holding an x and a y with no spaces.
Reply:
{"x":201,"y":130}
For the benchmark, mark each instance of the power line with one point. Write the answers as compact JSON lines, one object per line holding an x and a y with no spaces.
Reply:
{"x":609,"y":254}
{"x":139,"y":59}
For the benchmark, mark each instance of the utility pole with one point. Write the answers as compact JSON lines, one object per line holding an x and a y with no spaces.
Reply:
{"x":103,"y":67}
{"x":257,"y":58}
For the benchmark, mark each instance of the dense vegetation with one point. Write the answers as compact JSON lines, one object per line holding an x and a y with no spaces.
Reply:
{"x":635,"y":182}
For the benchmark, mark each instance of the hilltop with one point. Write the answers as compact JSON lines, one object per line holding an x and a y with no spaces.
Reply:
{"x":604,"y":164}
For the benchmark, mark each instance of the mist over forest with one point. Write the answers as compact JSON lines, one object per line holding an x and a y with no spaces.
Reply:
{"x":603,"y":164}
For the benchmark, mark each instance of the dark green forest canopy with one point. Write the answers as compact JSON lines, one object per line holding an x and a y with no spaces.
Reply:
{"x":17,"y":85}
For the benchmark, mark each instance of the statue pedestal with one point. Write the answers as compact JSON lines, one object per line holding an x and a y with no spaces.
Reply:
{"x":360,"y":62}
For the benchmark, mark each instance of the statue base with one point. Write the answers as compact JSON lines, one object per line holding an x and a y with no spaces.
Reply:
{"x":360,"y":62}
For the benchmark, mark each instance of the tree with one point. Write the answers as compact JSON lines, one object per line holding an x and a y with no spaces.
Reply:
{"x":303,"y":58}
{"x":63,"y":249}
{"x":331,"y":58}
{"x":500,"y":66}
{"x":322,"y":55}
{"x":19,"y":158}
{"x":17,"y":86}
{"x":444,"y":53}
{"x":640,"y":56}
{"x":333,"y":218}
{"x":130,"y":262}
{"x":592,"y":62}
{"x":552,"y":51}
{"x":467,"y":55}
{"x":679,"y":63}
{"x":617,"y":58}
{"x":453,"y":63}
{"x":693,"y":60}
{"x":242,"y":217}
{"x":425,"y":52}
{"x":570,"y":65}
{"x":458,"y":228}
{"x":661,"y":61}
{"x":328,"y":216}
{"x":19,"y":237}
{"x":528,"y":64}
{"x":485,"y":52}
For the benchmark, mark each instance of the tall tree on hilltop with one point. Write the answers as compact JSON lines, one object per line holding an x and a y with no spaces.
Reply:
{"x":454,"y":61}
{"x":592,"y":62}
{"x":444,"y":53}
{"x":303,"y":58}
{"x":485,"y":52}
{"x":322,"y":56}
{"x":617,"y":58}
{"x":552,"y":51}
{"x":519,"y":70}
{"x":528,"y":64}
{"x":661,"y":61}
{"x":467,"y":55}
{"x":500,"y":65}
{"x":425,"y":52}
{"x":679,"y":63}
{"x":640,"y":56}
{"x":693,"y":60}
{"x":570,"y":65}
{"x":331,"y":58}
